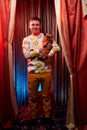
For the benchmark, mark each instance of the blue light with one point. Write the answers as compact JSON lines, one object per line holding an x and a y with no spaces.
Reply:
{"x":39,"y":88}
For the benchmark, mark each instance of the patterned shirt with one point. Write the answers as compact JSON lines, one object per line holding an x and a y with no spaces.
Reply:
{"x":31,"y":46}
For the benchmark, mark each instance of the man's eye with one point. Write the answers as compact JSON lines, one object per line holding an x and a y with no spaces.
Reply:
{"x":35,"y":25}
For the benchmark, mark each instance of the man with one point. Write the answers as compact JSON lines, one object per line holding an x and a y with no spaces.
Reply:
{"x":39,"y":71}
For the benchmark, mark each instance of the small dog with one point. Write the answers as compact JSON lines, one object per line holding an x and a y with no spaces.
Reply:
{"x":47,"y":46}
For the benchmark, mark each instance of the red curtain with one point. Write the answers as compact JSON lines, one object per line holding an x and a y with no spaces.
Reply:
{"x":81,"y":90}
{"x":73,"y":36}
{"x":6,"y":108}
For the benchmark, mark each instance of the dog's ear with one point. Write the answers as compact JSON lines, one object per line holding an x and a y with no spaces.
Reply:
{"x":49,"y":37}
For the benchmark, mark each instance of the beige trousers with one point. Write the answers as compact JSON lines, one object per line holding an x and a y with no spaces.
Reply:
{"x":33,"y":82}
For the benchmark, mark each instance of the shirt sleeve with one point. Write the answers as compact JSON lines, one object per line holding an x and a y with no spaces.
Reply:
{"x":55,"y":48}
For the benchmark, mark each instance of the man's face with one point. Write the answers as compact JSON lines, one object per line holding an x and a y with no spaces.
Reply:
{"x":35,"y":27}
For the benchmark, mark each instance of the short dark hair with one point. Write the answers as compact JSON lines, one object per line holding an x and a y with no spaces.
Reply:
{"x":35,"y":18}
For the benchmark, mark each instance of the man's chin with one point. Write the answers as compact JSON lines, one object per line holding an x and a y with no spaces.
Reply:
{"x":36,"y":33}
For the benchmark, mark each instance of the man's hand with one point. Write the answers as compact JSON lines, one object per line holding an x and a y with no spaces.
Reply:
{"x":33,"y":54}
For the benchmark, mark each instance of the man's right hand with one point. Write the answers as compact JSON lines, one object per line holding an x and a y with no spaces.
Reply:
{"x":33,"y":54}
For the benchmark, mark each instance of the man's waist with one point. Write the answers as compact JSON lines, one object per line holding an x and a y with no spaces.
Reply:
{"x":39,"y":71}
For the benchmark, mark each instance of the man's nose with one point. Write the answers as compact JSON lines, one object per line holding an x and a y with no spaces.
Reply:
{"x":35,"y":25}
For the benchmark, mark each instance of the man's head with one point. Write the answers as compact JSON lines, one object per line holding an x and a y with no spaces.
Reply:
{"x":35,"y":25}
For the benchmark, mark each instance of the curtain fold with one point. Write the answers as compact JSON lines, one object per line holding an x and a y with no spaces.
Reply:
{"x":10,"y":55}
{"x":7,"y":113}
{"x":66,"y":51}
{"x":72,"y":31}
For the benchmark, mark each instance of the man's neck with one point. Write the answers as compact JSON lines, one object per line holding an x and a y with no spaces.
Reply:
{"x":37,"y":34}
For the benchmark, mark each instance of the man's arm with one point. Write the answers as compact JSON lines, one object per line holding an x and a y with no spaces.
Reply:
{"x":55,"y":48}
